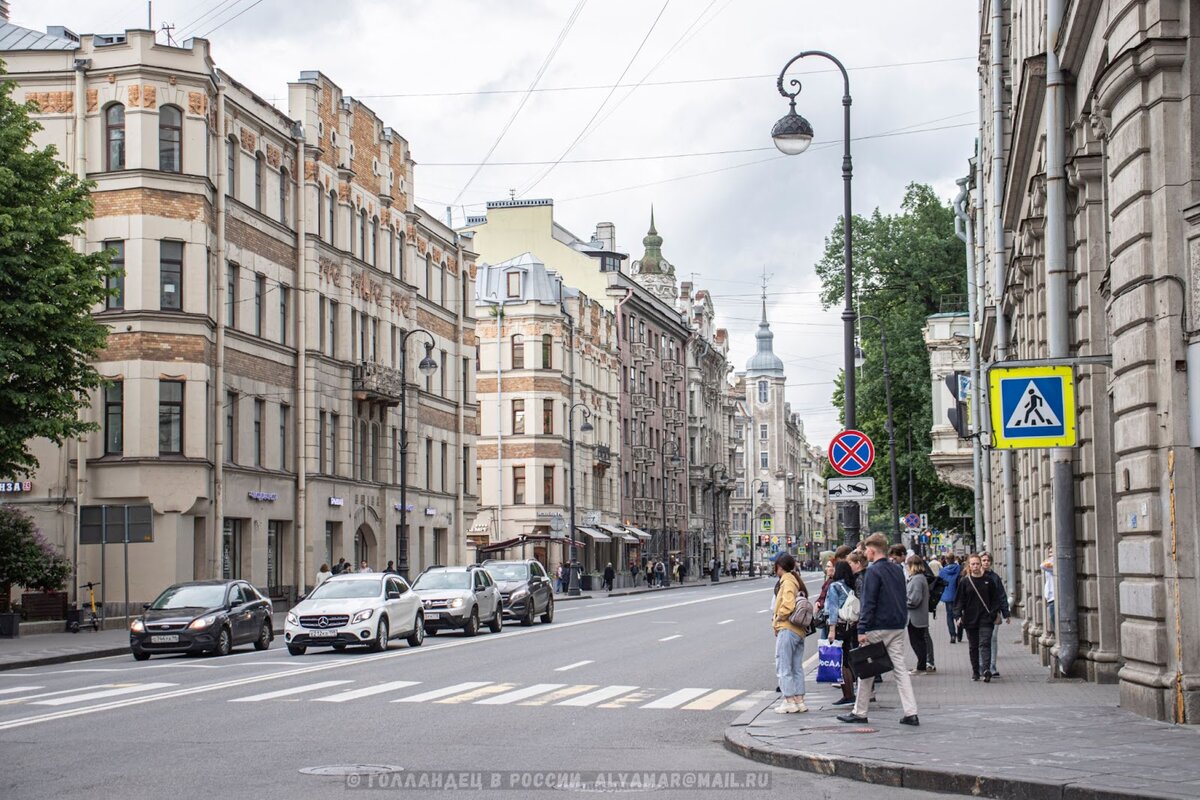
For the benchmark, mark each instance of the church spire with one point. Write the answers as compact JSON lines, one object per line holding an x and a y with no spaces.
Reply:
{"x":652,"y":262}
{"x":764,"y":362}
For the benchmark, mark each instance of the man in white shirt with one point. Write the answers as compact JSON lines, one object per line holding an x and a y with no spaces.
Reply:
{"x":1048,"y":589}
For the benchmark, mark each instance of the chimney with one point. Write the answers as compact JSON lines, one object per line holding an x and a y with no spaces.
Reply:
{"x":685,"y":291}
{"x":606,"y":232}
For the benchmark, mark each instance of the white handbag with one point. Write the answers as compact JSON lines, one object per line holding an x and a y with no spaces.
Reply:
{"x":848,"y":613}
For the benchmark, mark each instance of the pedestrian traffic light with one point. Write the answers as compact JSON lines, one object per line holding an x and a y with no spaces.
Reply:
{"x":958,"y":414}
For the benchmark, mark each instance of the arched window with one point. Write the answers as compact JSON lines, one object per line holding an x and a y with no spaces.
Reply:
{"x":260,"y":182}
{"x":362,"y":234}
{"x":374,"y":244}
{"x":518,"y":351}
{"x":285,"y":189}
{"x":322,"y":224}
{"x":389,"y":236}
{"x":428,"y":275}
{"x":331,"y":218}
{"x":400,"y":256}
{"x":547,"y":350}
{"x":442,"y":298}
{"x":231,"y":161}
{"x":170,"y":139}
{"x":114,"y":137}
{"x":763,"y":391}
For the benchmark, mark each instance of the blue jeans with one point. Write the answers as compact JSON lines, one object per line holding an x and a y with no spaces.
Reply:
{"x":950,"y":621}
{"x":789,"y":663}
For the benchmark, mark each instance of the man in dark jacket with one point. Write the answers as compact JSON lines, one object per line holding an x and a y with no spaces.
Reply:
{"x":883,"y":618}
{"x":610,"y":574}
{"x":1005,"y":611}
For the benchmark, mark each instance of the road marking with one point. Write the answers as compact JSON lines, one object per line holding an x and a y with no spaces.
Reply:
{"x":475,"y":694}
{"x":573,"y":666}
{"x":439,"y":693}
{"x":676,"y":698}
{"x":748,"y":702}
{"x":725,"y":622}
{"x":308,"y":687}
{"x":21,"y":722}
{"x":12,"y":689}
{"x":762,"y":611}
{"x":591,"y":698}
{"x":354,"y":694}
{"x":520,"y":694}
{"x":14,"y":700}
{"x":79,"y":698}
{"x":631,"y":699}
{"x":561,"y":694}
{"x":669,"y":638}
{"x":713,"y":699}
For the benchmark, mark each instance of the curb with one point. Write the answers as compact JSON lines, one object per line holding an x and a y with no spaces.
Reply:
{"x":65,"y":658}
{"x":738,"y":740}
{"x":674,"y":586}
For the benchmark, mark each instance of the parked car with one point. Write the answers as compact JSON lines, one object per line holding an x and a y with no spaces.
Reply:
{"x":459,"y":597}
{"x":202,"y":617}
{"x":367,"y":608}
{"x":525,"y":589}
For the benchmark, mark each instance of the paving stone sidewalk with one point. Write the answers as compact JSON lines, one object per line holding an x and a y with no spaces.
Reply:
{"x":1020,"y":736}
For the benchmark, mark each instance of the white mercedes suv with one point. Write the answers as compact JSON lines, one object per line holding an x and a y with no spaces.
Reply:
{"x":368,"y":608}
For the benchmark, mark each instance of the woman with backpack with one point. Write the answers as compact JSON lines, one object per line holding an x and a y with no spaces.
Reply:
{"x":842,"y":606}
{"x":791,"y":606}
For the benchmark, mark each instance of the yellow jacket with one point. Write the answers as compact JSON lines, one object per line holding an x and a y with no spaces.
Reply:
{"x":785,"y":604}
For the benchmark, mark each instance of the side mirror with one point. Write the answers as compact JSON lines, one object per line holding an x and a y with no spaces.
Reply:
{"x":145,"y":606}
{"x":300,"y":597}
{"x":393,"y":595}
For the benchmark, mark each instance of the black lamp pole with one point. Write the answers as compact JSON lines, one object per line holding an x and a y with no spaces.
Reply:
{"x":891,"y":429}
{"x":427,"y":367}
{"x":586,"y":427}
{"x":792,"y":135}
{"x":762,"y":491}
{"x":673,"y":443}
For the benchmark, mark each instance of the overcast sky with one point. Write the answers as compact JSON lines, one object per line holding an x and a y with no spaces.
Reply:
{"x":698,"y":77}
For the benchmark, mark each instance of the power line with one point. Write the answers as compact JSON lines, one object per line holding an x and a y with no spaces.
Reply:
{"x":210,"y":31}
{"x":218,"y":9}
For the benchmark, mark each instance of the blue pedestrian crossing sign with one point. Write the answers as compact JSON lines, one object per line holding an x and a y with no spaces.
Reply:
{"x":1032,"y":406}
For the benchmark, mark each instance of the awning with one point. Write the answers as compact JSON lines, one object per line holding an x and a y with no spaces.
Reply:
{"x":638,"y":532}
{"x":619,"y":534}
{"x":597,"y":536}
{"x":521,"y":540}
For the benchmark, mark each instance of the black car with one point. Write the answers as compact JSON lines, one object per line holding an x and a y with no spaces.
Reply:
{"x":202,"y":617}
{"x":525,"y":589}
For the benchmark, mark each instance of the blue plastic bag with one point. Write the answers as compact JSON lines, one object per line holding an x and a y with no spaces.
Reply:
{"x":829,"y":663}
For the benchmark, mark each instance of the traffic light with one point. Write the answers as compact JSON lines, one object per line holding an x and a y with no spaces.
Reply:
{"x":958,"y":414}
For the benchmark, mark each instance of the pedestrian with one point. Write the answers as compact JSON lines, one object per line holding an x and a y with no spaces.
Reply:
{"x":789,"y":637}
{"x":650,"y":574}
{"x":917,"y":590}
{"x":390,"y":569}
{"x":819,"y":607}
{"x":1005,"y":612}
{"x":610,"y":574}
{"x":633,"y":571}
{"x":1048,"y":590}
{"x":950,"y":572}
{"x":338,"y":567}
{"x":935,"y":565}
{"x":898,"y":554}
{"x":714,"y":568}
{"x":882,"y":619}
{"x":660,"y":573}
{"x":560,"y":578}
{"x":842,"y":607}
{"x":977,"y":606}
{"x":323,"y":574}
{"x":363,"y":567}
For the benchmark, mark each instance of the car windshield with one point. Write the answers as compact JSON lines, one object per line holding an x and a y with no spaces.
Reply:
{"x":190,"y":597}
{"x":443,"y":580}
{"x":508,"y":572}
{"x":335,"y":589}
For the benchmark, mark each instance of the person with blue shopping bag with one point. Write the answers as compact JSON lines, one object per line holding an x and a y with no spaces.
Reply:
{"x":790,"y":595}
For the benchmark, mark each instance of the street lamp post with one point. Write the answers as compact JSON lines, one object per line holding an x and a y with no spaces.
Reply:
{"x":586,"y":427}
{"x":762,"y":492}
{"x":792,"y":135}
{"x":675,"y":462}
{"x":891,"y":429}
{"x":716,"y":487}
{"x":427,"y":367}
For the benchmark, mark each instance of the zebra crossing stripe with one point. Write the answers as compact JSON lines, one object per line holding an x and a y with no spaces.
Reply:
{"x":561,"y":694}
{"x":675,"y":699}
{"x":13,"y":689}
{"x":519,"y":694}
{"x":309,"y":687}
{"x":119,"y":690}
{"x":8,"y":701}
{"x":748,"y":702}
{"x":600,"y":695}
{"x":355,"y":694}
{"x":439,"y":693}
{"x":475,"y":694}
{"x":713,"y":699}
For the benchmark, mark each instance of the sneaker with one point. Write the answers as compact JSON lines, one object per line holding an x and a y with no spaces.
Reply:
{"x":974,"y":677}
{"x":787,"y":708}
{"x":853,"y":719}
{"x":995,"y":674}
{"x":910,"y":720}
{"x":916,"y":672}
{"x":931,"y":668}
{"x":845,"y":701}
{"x":800,"y":708}
{"x":987,"y":677}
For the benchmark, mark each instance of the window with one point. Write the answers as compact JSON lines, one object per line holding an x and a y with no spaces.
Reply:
{"x":231,"y":407}
{"x":115,"y":282}
{"x":514,"y":284}
{"x":321,"y":448}
{"x":259,"y":445}
{"x":373,"y":245}
{"x":170,"y":139}
{"x":764,"y":460}
{"x":332,"y":337}
{"x":610,"y":264}
{"x":429,"y":464}
{"x":334,"y":421}
{"x":331,"y":219}
{"x":284,"y":415}
{"x":762,"y":432}
{"x":442,"y":373}
{"x":400,"y":256}
{"x":547,"y":416}
{"x":260,"y":292}
{"x":762,"y":391}
{"x":518,"y":416}
{"x":518,"y":351}
{"x":285,"y":190}
{"x":260,"y":182}
{"x":114,"y":419}
{"x":231,"y":159}
{"x":548,"y":484}
{"x":231,"y":297}
{"x":444,"y":465}
{"x":518,"y":486}
{"x":362,"y":234}
{"x":284,"y":297}
{"x":170,"y":417}
{"x":114,"y":137}
{"x":170,"y":275}
{"x":428,"y":276}
{"x":547,"y":345}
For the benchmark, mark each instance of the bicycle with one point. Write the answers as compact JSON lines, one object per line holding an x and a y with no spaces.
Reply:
{"x":94,"y":619}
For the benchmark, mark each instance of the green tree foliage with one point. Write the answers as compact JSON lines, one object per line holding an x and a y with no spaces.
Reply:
{"x":26,"y":558}
{"x":48,"y":337}
{"x":906,"y":266}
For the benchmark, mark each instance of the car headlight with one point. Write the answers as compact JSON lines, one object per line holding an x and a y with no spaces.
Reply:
{"x":203,"y":622}
{"x":456,"y":602}
{"x":292,"y":619}
{"x":137,"y":626}
{"x":364,"y":615}
{"x":519,"y":593}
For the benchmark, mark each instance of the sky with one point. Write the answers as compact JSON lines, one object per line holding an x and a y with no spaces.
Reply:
{"x":635,"y":103}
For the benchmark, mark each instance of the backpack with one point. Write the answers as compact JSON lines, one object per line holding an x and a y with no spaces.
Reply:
{"x":850,"y":609}
{"x":936,"y":587}
{"x":803,"y":615}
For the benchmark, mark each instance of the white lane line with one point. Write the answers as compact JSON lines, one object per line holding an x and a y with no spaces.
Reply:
{"x":354,"y":694}
{"x":713,"y":699}
{"x":440,"y":693}
{"x":573,"y":666}
{"x":762,"y":611}
{"x":79,"y":698}
{"x":676,"y":698}
{"x":725,"y":622}
{"x":21,"y":722}
{"x":8,"y":701}
{"x":308,"y":687}
{"x":669,"y":638}
{"x":12,"y":689}
{"x":600,"y":695}
{"x":519,"y":694}
{"x":597,"y":605}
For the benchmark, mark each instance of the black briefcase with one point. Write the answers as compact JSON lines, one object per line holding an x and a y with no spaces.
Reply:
{"x":869,"y":660}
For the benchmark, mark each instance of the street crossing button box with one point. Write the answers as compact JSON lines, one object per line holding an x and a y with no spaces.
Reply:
{"x":1032,"y":407}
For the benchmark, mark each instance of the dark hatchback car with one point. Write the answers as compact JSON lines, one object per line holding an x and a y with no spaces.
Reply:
{"x":202,"y":617}
{"x":525,"y":589}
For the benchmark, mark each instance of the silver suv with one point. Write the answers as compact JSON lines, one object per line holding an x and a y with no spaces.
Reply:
{"x":459,"y":597}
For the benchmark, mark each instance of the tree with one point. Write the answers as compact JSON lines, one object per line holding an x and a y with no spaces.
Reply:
{"x":906,"y":266}
{"x":26,"y":558}
{"x":48,"y":337}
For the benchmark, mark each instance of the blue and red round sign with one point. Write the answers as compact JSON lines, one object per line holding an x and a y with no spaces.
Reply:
{"x":851,"y":453}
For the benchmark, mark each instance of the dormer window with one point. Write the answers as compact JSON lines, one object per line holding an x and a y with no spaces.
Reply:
{"x":610,"y":264}
{"x":513,"y":284}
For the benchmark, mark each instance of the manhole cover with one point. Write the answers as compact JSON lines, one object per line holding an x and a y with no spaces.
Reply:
{"x":342,"y":770}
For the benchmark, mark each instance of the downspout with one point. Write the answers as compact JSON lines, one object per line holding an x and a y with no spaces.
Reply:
{"x":460,"y":507}
{"x":81,"y":65}
{"x":989,"y":520}
{"x":965,"y":230}
{"x":1058,"y":327}
{"x":214,"y":543}
{"x":300,"y":527}
{"x":618,"y":310}
{"x":999,"y":256}
{"x":500,"y":419}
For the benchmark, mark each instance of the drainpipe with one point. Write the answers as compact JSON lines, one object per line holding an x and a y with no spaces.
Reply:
{"x":214,"y":544}
{"x":1058,"y":326}
{"x":460,"y":332}
{"x":81,"y":65}
{"x":965,"y":230}
{"x":989,"y":521}
{"x":300,"y":527}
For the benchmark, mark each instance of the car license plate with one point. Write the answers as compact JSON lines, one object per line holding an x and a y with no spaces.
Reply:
{"x":165,"y":639}
{"x":433,"y":614}
{"x":322,"y":634}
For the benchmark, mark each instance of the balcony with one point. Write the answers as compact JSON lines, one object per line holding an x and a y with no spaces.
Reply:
{"x":642,"y":401}
{"x":641,"y":352}
{"x":644,"y":505}
{"x":603,"y":457}
{"x":643,"y":454}
{"x":673,"y":416}
{"x":675,"y":509}
{"x":377,"y":383}
{"x":672,"y":369}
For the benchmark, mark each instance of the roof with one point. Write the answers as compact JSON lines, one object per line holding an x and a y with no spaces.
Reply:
{"x":539,"y":284}
{"x":764,"y":362}
{"x":14,"y":37}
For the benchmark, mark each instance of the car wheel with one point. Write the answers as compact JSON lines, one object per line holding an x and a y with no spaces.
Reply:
{"x":497,"y":623}
{"x":140,"y":655}
{"x":264,"y":637}
{"x":527,"y":620}
{"x":382,"y":634}
{"x":472,"y":626}
{"x":417,"y":637}
{"x":548,"y":617}
{"x":297,"y":649}
{"x":224,"y":643}
{"x":339,"y":646}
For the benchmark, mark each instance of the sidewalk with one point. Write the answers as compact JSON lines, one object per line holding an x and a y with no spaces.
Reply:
{"x":1020,"y":736}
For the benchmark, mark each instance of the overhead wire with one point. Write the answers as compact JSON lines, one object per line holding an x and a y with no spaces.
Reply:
{"x":210,"y":31}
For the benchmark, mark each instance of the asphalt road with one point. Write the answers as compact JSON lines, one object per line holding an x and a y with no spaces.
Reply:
{"x":617,"y":684}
